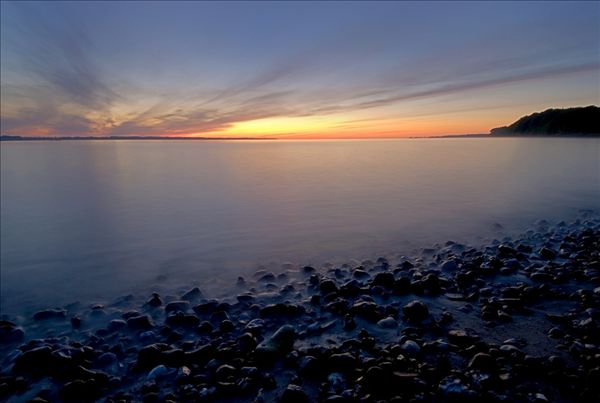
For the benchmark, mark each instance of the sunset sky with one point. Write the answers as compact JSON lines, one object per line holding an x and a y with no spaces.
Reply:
{"x":292,"y":70}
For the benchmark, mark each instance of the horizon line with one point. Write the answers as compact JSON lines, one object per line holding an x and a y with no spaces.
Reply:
{"x":10,"y":137}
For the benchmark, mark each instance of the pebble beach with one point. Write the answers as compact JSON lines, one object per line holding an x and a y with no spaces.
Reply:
{"x":516,"y":320}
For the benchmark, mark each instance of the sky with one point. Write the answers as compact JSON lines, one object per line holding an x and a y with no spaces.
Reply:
{"x":291,"y":69}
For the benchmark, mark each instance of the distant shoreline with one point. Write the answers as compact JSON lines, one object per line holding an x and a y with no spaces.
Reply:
{"x":69,"y":138}
{"x":448,"y":136}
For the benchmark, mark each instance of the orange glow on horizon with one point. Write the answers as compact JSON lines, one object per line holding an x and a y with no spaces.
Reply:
{"x":336,"y":126}
{"x":328,"y":127}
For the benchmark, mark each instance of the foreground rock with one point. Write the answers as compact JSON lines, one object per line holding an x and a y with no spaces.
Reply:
{"x":518,"y":321}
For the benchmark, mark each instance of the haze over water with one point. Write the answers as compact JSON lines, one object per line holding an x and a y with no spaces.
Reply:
{"x":94,"y":220}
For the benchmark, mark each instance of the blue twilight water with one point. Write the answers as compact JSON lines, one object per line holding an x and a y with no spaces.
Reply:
{"x":90,"y":220}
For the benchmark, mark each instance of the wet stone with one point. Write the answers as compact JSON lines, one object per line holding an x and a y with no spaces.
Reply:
{"x":116,"y":324}
{"x":461,"y":337}
{"x":10,"y":332}
{"x":275,"y":310}
{"x":79,"y":390}
{"x":410,"y":347}
{"x":453,"y":387}
{"x":205,"y":308}
{"x":192,"y":295}
{"x":367,"y":310}
{"x":226,"y":326}
{"x":360,"y":274}
{"x":547,"y":253}
{"x":154,"y":301}
{"x":267,"y":277}
{"x":278,"y":344}
{"x":106,"y":359}
{"x":415,"y":311}
{"x":50,"y":314}
{"x":142,"y":322}
{"x":388,"y":323}
{"x":327,"y":287}
{"x":385,"y":280}
{"x":218,"y":316}
{"x":449,"y":266}
{"x":506,"y":250}
{"x":294,"y":394}
{"x":245,"y":298}
{"x":349,"y":323}
{"x":225,"y":372}
{"x":174,"y":306}
{"x":483,"y":362}
{"x":36,"y":360}
{"x":76,"y":322}
{"x":541,"y":277}
{"x":319,"y":355}
{"x":343,"y":362}
{"x":157,"y":372}
{"x":180,"y":319}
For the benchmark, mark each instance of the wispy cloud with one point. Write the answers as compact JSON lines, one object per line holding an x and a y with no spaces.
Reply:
{"x":65,"y":83}
{"x":55,"y":83}
{"x":455,"y":88}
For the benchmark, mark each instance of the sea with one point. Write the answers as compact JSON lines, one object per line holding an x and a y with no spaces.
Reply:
{"x":93,"y":220}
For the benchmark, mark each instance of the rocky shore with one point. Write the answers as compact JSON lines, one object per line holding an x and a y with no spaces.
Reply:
{"x":517,"y":320}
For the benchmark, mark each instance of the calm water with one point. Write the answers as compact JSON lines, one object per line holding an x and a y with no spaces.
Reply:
{"x":91,"y":220}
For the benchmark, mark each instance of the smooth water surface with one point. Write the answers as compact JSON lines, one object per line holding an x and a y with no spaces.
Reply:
{"x":93,"y":219}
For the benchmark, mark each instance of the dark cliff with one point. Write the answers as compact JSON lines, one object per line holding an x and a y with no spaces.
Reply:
{"x":582,"y":121}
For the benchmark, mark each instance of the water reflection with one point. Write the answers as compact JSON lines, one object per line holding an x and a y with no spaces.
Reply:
{"x":92,"y":219}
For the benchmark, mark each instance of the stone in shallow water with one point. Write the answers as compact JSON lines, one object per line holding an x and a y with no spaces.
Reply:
{"x":149,"y":356}
{"x":327,"y":287}
{"x":255,"y":326}
{"x":278,"y":344}
{"x":415,"y":311}
{"x":506,"y":250}
{"x":50,"y":314}
{"x":349,"y":323}
{"x":10,"y":333}
{"x":34,"y":361}
{"x":225,"y":372}
{"x":461,"y":337}
{"x":453,"y":387}
{"x":245,"y":298}
{"x":483,"y":362}
{"x":76,"y":322}
{"x":177,"y":306}
{"x":388,"y":323}
{"x":106,"y":359}
{"x":192,"y":294}
{"x":80,"y":390}
{"x":449,"y":265}
{"x":154,"y":300}
{"x":142,"y":322}
{"x":116,"y":324}
{"x":343,"y":362}
{"x":410,"y":347}
{"x":385,"y":280}
{"x":159,"y":371}
{"x":456,"y":297}
{"x":277,"y":310}
{"x":547,"y":253}
{"x":180,"y":319}
{"x":294,"y":394}
{"x":367,"y":310}
{"x":360,"y":274}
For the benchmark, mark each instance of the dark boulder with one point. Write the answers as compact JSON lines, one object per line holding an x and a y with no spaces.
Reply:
{"x":415,"y":311}
{"x":50,"y":314}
